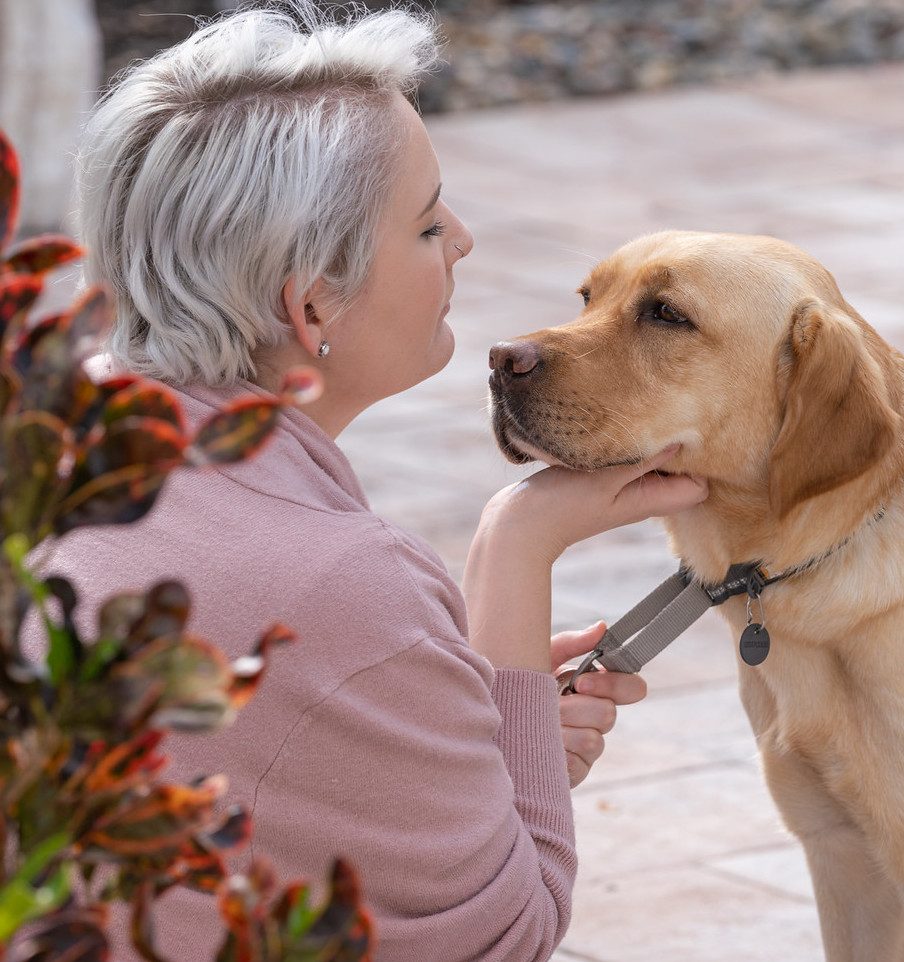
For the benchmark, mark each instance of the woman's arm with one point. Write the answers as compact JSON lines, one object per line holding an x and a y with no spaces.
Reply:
{"x":526,"y":526}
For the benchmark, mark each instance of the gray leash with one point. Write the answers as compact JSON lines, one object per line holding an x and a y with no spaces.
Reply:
{"x":661,"y":617}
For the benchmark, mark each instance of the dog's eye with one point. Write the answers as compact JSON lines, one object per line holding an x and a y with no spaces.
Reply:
{"x":667,"y":315}
{"x":585,"y":294}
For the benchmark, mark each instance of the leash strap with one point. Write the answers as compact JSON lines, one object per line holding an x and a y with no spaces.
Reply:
{"x":649,"y":627}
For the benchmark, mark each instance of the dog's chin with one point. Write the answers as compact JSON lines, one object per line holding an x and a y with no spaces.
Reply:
{"x":519,"y":451}
{"x":529,"y":452}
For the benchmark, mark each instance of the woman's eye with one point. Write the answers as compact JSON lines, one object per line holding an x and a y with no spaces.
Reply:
{"x":585,"y":294}
{"x":668,"y":315}
{"x":435,"y":231}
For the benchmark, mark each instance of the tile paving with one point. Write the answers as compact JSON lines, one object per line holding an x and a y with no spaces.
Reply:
{"x":682,"y":853}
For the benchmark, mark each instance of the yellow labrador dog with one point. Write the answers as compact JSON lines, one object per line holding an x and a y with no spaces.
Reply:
{"x":744,"y":351}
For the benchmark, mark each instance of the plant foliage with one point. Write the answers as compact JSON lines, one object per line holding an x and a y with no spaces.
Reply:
{"x":85,"y":818}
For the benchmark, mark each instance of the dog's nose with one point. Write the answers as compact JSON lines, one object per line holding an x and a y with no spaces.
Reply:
{"x":512,"y":362}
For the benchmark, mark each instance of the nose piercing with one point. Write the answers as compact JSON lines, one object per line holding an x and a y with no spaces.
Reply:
{"x":460,"y":251}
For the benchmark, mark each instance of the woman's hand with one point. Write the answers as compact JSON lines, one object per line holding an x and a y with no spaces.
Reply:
{"x":558,"y":507}
{"x":526,"y":526}
{"x":590,"y":714}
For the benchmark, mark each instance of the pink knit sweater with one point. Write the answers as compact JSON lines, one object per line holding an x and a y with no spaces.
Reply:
{"x":381,"y":736}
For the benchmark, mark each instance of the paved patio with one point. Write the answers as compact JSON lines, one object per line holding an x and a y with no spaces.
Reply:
{"x":682,"y":854}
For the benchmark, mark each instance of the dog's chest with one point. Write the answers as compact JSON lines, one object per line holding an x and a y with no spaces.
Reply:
{"x":841,"y":710}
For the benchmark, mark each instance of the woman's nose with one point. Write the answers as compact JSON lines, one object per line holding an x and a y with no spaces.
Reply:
{"x":466,"y":243}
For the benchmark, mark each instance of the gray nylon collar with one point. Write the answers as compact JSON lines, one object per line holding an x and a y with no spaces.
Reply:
{"x":669,"y":610}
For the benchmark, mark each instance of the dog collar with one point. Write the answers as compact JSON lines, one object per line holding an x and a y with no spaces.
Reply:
{"x":669,"y":610}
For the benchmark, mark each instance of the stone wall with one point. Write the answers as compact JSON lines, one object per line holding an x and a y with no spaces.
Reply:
{"x":550,"y":50}
{"x":497,"y":53}
{"x":502,"y":52}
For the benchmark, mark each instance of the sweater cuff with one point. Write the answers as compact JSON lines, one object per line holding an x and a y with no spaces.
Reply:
{"x":530,"y":737}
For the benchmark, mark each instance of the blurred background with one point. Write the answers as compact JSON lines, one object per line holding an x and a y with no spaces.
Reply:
{"x":55,"y":55}
{"x":563,"y":130}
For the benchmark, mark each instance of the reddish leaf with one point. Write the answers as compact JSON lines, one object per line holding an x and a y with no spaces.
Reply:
{"x":28,"y":342}
{"x":235,"y":432}
{"x":74,"y":934}
{"x":9,"y":191}
{"x":119,"y":497}
{"x":243,"y":899}
{"x":119,"y":472}
{"x":35,"y":444}
{"x":248,"y":671}
{"x":116,"y":769}
{"x":89,"y":319}
{"x":118,"y":614}
{"x":37,"y":255}
{"x":142,"y":928}
{"x":300,"y":386}
{"x":195,"y":867}
{"x":88,"y":413}
{"x":17,"y":294}
{"x":145,"y":442}
{"x":233,"y":832}
{"x":10,"y":385}
{"x":344,"y":924}
{"x":165,"y":612}
{"x":161,"y":821}
{"x":144,"y":398}
{"x":48,"y":357}
{"x":190,"y":681}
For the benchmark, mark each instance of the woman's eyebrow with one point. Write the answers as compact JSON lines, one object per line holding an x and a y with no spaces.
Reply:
{"x":432,"y":203}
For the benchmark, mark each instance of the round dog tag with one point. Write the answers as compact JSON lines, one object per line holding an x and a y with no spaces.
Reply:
{"x":754,"y":644}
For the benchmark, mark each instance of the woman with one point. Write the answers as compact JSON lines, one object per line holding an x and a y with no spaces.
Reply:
{"x":264,"y":195}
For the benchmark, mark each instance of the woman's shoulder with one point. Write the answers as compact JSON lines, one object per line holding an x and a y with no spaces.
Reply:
{"x":356,"y":588}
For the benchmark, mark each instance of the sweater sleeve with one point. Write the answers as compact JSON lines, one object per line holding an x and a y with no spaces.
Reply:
{"x":455,"y":812}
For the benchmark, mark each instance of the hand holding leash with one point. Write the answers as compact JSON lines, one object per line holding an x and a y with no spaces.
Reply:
{"x":590,"y":714}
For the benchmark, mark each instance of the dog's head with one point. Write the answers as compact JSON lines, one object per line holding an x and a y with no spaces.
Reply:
{"x":740,"y":348}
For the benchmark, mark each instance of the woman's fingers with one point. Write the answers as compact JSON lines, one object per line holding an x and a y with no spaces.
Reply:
{"x":621,"y":688}
{"x":585,"y":712}
{"x":573,"y":644}
{"x":582,"y":748}
{"x":655,"y":495}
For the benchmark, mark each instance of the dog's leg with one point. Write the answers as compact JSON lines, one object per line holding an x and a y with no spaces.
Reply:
{"x":861,"y":911}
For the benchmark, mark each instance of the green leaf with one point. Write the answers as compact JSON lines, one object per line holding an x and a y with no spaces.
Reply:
{"x":74,"y":934}
{"x":301,"y":914}
{"x":21,"y":900}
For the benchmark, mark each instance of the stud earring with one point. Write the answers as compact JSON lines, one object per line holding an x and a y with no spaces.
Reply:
{"x":324,"y":349}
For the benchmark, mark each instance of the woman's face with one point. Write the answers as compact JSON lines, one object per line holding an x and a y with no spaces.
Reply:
{"x":395,"y":334}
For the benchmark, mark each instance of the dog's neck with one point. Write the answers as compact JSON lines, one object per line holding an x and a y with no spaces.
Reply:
{"x":737,"y":524}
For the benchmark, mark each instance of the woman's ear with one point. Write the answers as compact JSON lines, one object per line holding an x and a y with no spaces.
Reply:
{"x":302,"y":313}
{"x":838,"y":421}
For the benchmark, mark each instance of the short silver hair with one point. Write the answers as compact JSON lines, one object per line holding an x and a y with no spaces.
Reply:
{"x":260,"y":148}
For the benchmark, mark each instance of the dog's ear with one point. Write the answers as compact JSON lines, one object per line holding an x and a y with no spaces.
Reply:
{"x":838,"y":421}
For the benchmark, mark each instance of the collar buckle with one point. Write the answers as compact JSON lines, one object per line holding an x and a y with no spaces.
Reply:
{"x":748,"y":578}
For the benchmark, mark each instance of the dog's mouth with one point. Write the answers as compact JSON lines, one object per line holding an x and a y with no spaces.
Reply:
{"x":520,"y":444}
